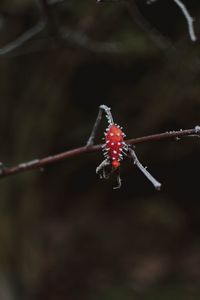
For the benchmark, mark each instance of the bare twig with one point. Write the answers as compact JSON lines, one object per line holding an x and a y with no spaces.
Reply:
{"x":152,"y":33}
{"x":62,"y":35}
{"x":72,"y":37}
{"x":101,"y":168}
{"x":136,"y":162}
{"x":49,"y":16}
{"x":102,"y":108}
{"x":40,"y":163}
{"x":22,"y":39}
{"x":83,"y":41}
{"x":188,"y":18}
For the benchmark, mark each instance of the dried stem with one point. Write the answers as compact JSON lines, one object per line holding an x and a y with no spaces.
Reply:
{"x":102,"y":108}
{"x":40,"y":163}
{"x":188,"y":18}
{"x":143,"y":169}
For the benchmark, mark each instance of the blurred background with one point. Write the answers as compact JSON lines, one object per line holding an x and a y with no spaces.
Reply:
{"x":64,"y":233}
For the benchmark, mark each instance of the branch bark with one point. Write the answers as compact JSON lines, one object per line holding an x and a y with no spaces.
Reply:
{"x":41,"y":163}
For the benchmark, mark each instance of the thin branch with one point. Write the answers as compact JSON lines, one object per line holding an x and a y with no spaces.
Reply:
{"x":152,"y":33}
{"x":188,"y":18}
{"x":83,"y":41}
{"x":143,"y":169}
{"x":62,"y":35}
{"x":22,"y":39}
{"x":109,"y":117}
{"x":49,"y":16}
{"x":72,"y":37}
{"x":40,"y":163}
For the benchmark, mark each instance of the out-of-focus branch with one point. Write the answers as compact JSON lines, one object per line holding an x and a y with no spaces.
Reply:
{"x":74,"y":38}
{"x":64,"y":36}
{"x":22,"y":39}
{"x":187,"y":16}
{"x":157,"y":38}
{"x":41,"y":163}
{"x":83,"y":41}
{"x":154,"y":35}
{"x":49,"y":17}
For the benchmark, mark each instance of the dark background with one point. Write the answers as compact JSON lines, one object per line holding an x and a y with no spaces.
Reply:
{"x":64,"y":234}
